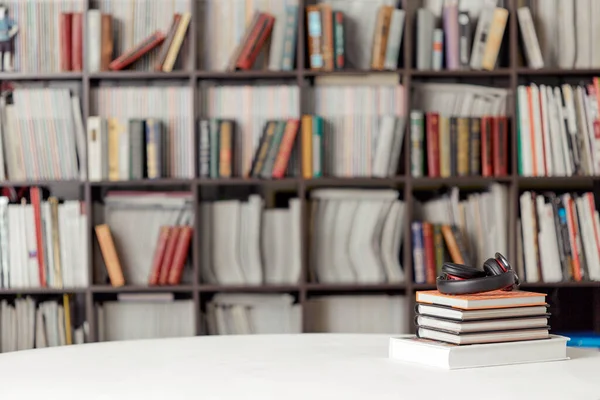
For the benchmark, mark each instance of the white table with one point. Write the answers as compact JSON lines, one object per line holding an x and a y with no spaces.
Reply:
{"x":282,"y":367}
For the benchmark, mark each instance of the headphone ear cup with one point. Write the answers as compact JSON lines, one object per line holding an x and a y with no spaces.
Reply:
{"x":462,"y":271}
{"x":491,"y":267}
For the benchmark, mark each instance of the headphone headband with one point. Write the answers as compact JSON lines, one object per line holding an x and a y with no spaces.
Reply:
{"x":497,"y":274}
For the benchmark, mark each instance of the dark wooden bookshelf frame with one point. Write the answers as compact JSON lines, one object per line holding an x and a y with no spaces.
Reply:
{"x":404,"y":183}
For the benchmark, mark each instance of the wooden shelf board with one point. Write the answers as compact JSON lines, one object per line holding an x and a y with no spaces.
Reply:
{"x":248,"y":288}
{"x":34,"y":76}
{"x":342,"y":72}
{"x":350,"y":287}
{"x":145,"y":182}
{"x":460,"y":181}
{"x":464,"y":73}
{"x":524,"y":71}
{"x":359,"y":181}
{"x":255,"y":74}
{"x":40,"y":291}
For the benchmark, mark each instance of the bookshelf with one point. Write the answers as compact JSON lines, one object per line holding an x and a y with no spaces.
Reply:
{"x":509,"y":76}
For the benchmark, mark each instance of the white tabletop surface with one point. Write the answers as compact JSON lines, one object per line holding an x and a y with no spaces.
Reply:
{"x":286,"y":367}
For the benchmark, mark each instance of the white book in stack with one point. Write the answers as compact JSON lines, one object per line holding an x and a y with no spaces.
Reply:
{"x":449,"y":356}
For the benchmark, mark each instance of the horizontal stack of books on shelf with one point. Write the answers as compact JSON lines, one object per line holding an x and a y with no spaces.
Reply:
{"x":558,"y":237}
{"x":447,"y":36}
{"x":463,"y":231}
{"x":27,"y":324}
{"x":480,"y":329}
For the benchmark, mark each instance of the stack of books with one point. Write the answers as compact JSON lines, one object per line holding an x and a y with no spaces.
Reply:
{"x":482,"y":329}
{"x":491,"y":317}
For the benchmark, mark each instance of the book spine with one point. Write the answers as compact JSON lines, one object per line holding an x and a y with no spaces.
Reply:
{"x":204,"y":149}
{"x":433,"y":151}
{"x":109,"y":254}
{"x":289,"y":41}
{"x":339,"y":40}
{"x":487,"y":124}
{"x":106,"y":42}
{"x":159,"y":254}
{"x":475,"y":146}
{"x":317,"y":146}
{"x":418,"y":252}
{"x":134,"y":54}
{"x":463,"y":146}
{"x":454,"y":156}
{"x":77,"y":42}
{"x":416,"y":139}
{"x":315,"y":37}
{"x":429,"y":252}
{"x":167,"y":261}
{"x":255,"y":42}
{"x":500,"y":146}
{"x":307,"y":149}
{"x":327,"y":24}
{"x":154,"y":149}
{"x":285,"y":150}
{"x":180,"y":255}
{"x":226,"y":149}
{"x":66,"y":37}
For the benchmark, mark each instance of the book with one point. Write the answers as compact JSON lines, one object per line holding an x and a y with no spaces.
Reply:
{"x":481,"y":325}
{"x":456,"y":314}
{"x":483,"y":337}
{"x":448,"y":356}
{"x":487,"y":300}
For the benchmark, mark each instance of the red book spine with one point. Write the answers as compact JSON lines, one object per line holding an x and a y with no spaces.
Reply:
{"x":77,"y":42}
{"x":500,"y":146}
{"x":36,"y":201}
{"x":134,"y":54}
{"x":486,"y":146}
{"x":181,"y":252}
{"x":159,"y":253}
{"x":257,"y":39}
{"x":433,"y":144}
{"x":429,"y":252}
{"x":285,"y":149}
{"x":167,"y":260}
{"x":339,"y":55}
{"x":66,"y":28}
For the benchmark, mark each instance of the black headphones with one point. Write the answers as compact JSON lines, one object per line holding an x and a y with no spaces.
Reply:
{"x":497,"y":274}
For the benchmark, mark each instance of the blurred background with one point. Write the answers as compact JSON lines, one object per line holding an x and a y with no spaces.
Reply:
{"x":180,"y":167}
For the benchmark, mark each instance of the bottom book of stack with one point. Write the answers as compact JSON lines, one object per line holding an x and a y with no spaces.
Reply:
{"x":476,"y":330}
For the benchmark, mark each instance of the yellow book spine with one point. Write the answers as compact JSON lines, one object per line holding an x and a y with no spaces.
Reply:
{"x":177,"y":41}
{"x":494,"y":40}
{"x":307,"y":154}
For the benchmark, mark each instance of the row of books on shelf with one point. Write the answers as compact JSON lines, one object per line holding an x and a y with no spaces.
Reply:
{"x":262,"y":34}
{"x":558,"y":129}
{"x":145,"y":238}
{"x":462,"y":230}
{"x":559,"y":237}
{"x":27,"y":324}
{"x":443,"y":146}
{"x":43,"y":243}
